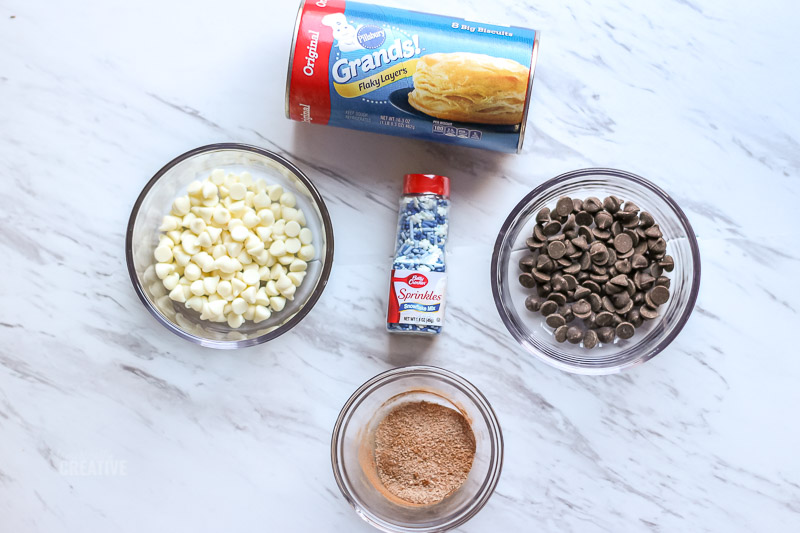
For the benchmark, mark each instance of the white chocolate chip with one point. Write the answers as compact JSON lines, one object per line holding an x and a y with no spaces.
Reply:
{"x":237,"y":191}
{"x":293,"y":245}
{"x":262,"y":298}
{"x":171,"y":281}
{"x":261,"y":314}
{"x":177,"y":294}
{"x":305,"y":236}
{"x":289,"y":292}
{"x":249,"y":294}
{"x":192,"y":272}
{"x":163,"y":254}
{"x":307,"y":252}
{"x":164,"y":269}
{"x":239,"y":306}
{"x":210,"y":284}
{"x":224,"y":289}
{"x":288,"y":199}
{"x":197,"y":288}
{"x":251,"y":277}
{"x":283,"y":283}
{"x":298,"y":265}
{"x":277,"y":303}
{"x":275,"y":192}
{"x":181,"y":206}
{"x":292,"y":228}
{"x":296,"y":277}
{"x":271,"y":289}
{"x":240,"y":233}
{"x":276,"y":249}
{"x":238,"y":286}
{"x":170,"y":223}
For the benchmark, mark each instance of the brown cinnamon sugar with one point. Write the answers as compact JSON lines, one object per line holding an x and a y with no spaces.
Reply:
{"x":423,"y":452}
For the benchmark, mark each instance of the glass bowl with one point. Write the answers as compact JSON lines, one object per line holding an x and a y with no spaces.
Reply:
{"x":156,"y":200}
{"x":529,"y":328}
{"x":352,"y":449}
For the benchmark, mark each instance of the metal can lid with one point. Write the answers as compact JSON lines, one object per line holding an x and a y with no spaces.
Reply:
{"x":426,"y":184}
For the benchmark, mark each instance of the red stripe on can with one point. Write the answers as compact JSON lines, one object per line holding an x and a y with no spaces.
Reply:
{"x":309,"y":92}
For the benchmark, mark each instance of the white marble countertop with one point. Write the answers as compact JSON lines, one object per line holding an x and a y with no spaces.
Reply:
{"x":110,"y":423}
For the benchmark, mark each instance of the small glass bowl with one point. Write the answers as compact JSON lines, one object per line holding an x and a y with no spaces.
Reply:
{"x":155,"y":201}
{"x":352,"y":448}
{"x":529,"y":328}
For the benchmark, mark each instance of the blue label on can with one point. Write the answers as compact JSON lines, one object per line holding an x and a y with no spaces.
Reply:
{"x":427,"y":76}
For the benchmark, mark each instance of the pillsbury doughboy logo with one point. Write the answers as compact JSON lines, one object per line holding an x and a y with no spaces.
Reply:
{"x":371,"y":37}
{"x":343,"y":32}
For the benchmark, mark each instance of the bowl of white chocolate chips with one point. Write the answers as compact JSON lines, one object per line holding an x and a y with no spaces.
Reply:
{"x":229,"y":246}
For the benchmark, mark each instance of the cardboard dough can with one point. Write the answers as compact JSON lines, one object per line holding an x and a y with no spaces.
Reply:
{"x":409,"y":74}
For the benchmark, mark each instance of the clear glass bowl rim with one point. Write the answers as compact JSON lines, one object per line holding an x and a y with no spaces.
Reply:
{"x":470,"y":390}
{"x":313,"y":298}
{"x":554,"y":183}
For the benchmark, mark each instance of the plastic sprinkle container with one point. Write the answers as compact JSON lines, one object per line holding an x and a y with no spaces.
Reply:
{"x":419,"y":275}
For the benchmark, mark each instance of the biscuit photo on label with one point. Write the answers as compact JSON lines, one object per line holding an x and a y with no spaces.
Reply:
{"x":468,"y":87}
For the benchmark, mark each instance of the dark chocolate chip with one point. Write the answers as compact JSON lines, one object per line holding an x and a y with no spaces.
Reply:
{"x":592,"y":205}
{"x":639,"y":261}
{"x":561,"y":334}
{"x":648,"y":313}
{"x":604,"y":318}
{"x":582,"y":292}
{"x":564,"y":206}
{"x":663,"y":281}
{"x":527,"y":263}
{"x":623,"y":243}
{"x":606,"y":335}
{"x":539,"y":276}
{"x":533,"y":303}
{"x":590,"y":339}
{"x":611,"y":204}
{"x":596,"y":302}
{"x":668,"y":263}
{"x":557,"y":297}
{"x":635,"y":318}
{"x":555,"y":320}
{"x":659,"y":295}
{"x":527,"y":280}
{"x":601,"y":234}
{"x":556,"y":249}
{"x":625,"y":330}
{"x":559,"y":283}
{"x":551,"y":228}
{"x":574,"y":335}
{"x":603,"y":220}
{"x":548,"y":308}
{"x":582,"y":308}
{"x":646,"y":219}
{"x":653,"y":232}
{"x":543,"y":289}
{"x":621,"y":280}
{"x":543,"y":216}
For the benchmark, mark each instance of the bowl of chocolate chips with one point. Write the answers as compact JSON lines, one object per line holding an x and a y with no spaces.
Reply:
{"x":596,"y":271}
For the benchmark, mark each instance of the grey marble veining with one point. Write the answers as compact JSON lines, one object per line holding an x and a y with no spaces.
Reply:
{"x":110,"y":423}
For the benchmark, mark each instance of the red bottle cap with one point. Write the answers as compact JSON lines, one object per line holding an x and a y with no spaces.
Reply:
{"x":426,"y":184}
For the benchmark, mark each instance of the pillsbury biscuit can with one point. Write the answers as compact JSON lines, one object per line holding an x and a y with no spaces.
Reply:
{"x":409,"y":74}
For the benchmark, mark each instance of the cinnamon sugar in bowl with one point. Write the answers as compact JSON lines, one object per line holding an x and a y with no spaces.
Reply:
{"x":417,"y":449}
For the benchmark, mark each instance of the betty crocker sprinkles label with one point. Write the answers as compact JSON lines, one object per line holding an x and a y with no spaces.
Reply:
{"x":417,"y":298}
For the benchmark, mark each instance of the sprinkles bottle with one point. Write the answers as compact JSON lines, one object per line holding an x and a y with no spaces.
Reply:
{"x":419,"y":278}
